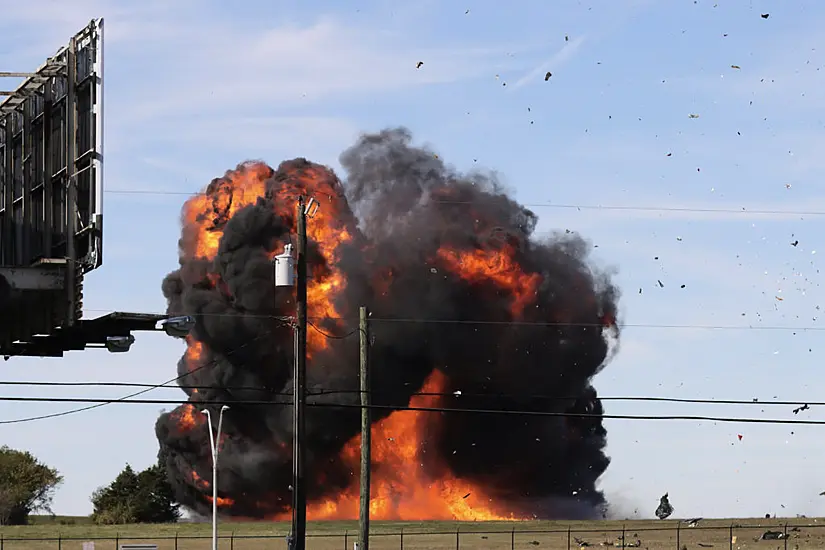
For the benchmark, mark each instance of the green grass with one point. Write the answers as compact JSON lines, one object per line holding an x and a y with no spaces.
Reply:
{"x":67,"y":533}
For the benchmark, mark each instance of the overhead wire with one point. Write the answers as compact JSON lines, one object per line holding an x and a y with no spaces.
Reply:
{"x":393,"y":408}
{"x":549,"y":324}
{"x":565,"y":206}
{"x":124,"y":398}
{"x":458,"y":394}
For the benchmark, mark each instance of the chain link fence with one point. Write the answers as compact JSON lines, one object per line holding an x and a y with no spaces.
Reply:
{"x":678,"y":536}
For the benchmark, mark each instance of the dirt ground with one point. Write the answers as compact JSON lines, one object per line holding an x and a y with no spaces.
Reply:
{"x":802,"y":533}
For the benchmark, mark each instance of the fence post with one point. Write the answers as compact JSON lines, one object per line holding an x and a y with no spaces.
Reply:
{"x":678,"y":535}
{"x":346,"y":539}
{"x":785,"y":538}
{"x":176,"y":540}
{"x":623,"y":531}
{"x":2,"y":541}
{"x":402,"y":539}
{"x":457,"y":538}
{"x":232,"y":540}
{"x":730,"y":537}
{"x":513,"y":538}
{"x":117,"y":541}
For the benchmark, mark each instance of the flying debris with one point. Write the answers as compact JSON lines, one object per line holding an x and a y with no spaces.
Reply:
{"x":664,"y":510}
{"x":804,"y":407}
{"x":414,"y":240}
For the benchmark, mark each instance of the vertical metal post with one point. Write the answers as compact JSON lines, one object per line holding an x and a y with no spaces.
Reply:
{"x":513,"y":538}
{"x":299,"y":517}
{"x":730,"y":537}
{"x":678,"y":535}
{"x":401,"y":546}
{"x":213,"y":444}
{"x":176,"y":540}
{"x":117,"y":541}
{"x":71,"y":183}
{"x":232,"y":540}
{"x":568,"y":537}
{"x":623,"y":533}
{"x":785,"y":538}
{"x":48,"y":172}
{"x":27,"y":162}
{"x":346,"y":539}
{"x":59,"y":541}
{"x":7,"y":253}
{"x":366,"y":435}
{"x":457,"y":538}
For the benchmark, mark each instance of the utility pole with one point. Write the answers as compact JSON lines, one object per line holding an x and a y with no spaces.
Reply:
{"x":299,"y":501}
{"x":366,"y":434}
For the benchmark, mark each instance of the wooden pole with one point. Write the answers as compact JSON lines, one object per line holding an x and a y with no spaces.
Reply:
{"x":366,"y":434}
{"x":299,"y":503}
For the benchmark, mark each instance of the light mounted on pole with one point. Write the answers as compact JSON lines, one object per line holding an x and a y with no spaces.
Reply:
{"x":214,"y":441}
{"x":119,"y":344}
{"x":178,"y":327}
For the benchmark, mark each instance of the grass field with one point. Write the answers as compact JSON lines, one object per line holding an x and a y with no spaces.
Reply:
{"x":62,"y":533}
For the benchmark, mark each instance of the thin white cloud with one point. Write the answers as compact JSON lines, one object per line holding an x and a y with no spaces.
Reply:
{"x":557,"y":60}
{"x":235,"y":67}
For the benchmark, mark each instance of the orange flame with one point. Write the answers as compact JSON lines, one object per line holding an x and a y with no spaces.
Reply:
{"x":400,"y":488}
{"x":499,"y":267}
{"x":187,"y":419}
{"x":406,"y":484}
{"x":206,"y":486}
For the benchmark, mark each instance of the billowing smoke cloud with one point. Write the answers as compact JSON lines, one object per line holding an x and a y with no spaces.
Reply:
{"x":430,"y":251}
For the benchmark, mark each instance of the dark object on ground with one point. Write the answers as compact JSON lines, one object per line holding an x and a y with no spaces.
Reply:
{"x":773,"y":535}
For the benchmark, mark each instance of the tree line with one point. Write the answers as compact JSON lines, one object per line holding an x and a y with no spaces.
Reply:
{"x":27,"y":486}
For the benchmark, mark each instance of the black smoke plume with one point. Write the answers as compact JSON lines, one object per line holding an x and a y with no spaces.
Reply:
{"x":400,"y":204}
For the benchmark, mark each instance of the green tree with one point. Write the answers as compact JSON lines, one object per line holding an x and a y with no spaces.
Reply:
{"x":145,"y":497}
{"x":26,"y":486}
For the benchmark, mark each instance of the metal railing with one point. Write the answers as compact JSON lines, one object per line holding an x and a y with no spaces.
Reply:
{"x":681,"y":535}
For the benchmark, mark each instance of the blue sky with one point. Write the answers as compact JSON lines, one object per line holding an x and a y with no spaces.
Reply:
{"x":194,"y":87}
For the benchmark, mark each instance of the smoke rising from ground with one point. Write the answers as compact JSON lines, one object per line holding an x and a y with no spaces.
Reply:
{"x":417,"y":234}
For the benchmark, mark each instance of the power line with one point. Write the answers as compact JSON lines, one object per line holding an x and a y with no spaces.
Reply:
{"x":457,"y":394}
{"x":607,"y":207}
{"x":331,"y":336}
{"x":503,"y":412}
{"x":123,"y":399}
{"x":548,"y":324}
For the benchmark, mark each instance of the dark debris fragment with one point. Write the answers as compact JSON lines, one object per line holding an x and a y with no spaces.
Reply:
{"x":665,"y":509}
{"x":804,"y":407}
